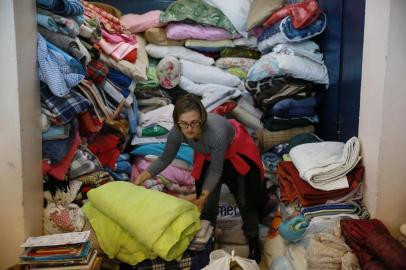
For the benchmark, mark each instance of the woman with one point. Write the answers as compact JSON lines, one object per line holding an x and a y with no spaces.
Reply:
{"x":223,"y":153}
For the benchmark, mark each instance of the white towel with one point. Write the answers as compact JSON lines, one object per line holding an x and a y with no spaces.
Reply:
{"x":202,"y":237}
{"x":324,"y":165}
{"x":161,"y":116}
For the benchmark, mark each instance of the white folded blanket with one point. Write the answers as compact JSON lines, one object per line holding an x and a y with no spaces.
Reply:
{"x":324,"y":165}
{"x":211,"y":93}
{"x":202,"y":237}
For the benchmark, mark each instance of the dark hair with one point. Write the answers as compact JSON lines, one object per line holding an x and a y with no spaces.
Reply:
{"x":189,"y":103}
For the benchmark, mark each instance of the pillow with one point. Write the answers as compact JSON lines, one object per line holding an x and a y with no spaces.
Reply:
{"x":290,"y":33}
{"x":179,"y":52}
{"x":236,"y":12}
{"x":260,"y":10}
{"x":270,"y":37}
{"x":208,"y":43}
{"x":168,"y":72}
{"x":139,"y":23}
{"x":307,"y":48}
{"x":136,"y":71}
{"x":240,"y":52}
{"x":267,"y":66}
{"x":188,"y":31}
{"x":237,"y":71}
{"x":303,"y":68}
{"x":157,"y":36}
{"x":212,"y":94}
{"x":182,"y":10}
{"x":274,"y":64}
{"x":207,"y":74}
{"x":229,"y":62}
{"x":266,"y":45}
{"x":246,"y":42}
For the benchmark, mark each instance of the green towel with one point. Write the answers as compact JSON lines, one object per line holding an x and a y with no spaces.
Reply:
{"x":133,"y":223}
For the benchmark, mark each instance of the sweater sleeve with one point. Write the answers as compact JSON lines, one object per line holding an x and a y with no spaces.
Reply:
{"x":215,"y":170}
{"x":171,"y":149}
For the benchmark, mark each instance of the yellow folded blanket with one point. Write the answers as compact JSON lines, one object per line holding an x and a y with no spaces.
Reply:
{"x":134,"y":224}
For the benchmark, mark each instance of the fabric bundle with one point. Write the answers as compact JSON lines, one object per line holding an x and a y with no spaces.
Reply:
{"x":374,"y":246}
{"x":132,"y":225}
{"x":329,"y":251}
{"x":292,"y":186}
{"x":324,"y":165}
{"x":203,"y":236}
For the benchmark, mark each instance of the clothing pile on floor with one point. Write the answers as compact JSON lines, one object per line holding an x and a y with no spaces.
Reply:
{"x":108,"y":85}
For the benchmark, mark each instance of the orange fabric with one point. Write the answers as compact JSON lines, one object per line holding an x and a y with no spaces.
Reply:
{"x":242,"y":144}
{"x":131,"y":56}
{"x":302,"y":14}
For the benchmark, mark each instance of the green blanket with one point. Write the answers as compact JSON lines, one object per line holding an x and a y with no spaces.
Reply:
{"x":133,"y":223}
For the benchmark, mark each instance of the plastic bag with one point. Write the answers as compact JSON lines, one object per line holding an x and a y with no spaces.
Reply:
{"x":221,"y":260}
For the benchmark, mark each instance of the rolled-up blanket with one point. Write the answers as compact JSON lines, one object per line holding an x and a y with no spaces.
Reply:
{"x":134,"y":224}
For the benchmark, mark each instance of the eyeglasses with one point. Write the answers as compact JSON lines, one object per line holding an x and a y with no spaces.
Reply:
{"x":185,"y":125}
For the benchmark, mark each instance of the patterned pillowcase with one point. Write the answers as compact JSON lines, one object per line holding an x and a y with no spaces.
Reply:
{"x":240,"y":52}
{"x":241,"y":62}
{"x":182,"y":10}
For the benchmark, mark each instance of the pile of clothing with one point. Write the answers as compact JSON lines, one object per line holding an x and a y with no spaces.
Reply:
{"x":108,"y":85}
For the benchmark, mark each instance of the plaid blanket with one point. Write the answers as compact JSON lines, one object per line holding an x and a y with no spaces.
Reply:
{"x":65,"y":108}
{"x":191,"y":260}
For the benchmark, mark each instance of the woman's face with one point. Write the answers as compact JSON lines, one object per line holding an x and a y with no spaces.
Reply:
{"x":189,"y":123}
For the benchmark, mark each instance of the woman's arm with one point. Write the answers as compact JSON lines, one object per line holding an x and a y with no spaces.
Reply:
{"x":171,"y":149}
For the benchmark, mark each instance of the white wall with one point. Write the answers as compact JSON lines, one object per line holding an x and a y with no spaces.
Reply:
{"x":382,"y":126}
{"x":20,"y":141}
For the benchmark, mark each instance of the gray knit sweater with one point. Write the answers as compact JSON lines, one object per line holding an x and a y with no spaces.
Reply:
{"x":217,"y":134}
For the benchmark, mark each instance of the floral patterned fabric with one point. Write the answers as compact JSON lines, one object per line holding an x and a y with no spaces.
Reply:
{"x":231,"y":62}
{"x":198,"y":12}
{"x":168,"y":72}
{"x":240,"y":52}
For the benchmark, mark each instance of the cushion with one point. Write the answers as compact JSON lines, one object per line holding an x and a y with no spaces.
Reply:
{"x":207,"y":74}
{"x":182,"y":10}
{"x":262,"y":9}
{"x":267,"y":45}
{"x":274,"y":64}
{"x":179,"y":52}
{"x":168,"y":72}
{"x":136,"y":23}
{"x":157,"y":36}
{"x":212,"y":94}
{"x":209,"y":43}
{"x":240,"y":52}
{"x":246,"y":42}
{"x":290,"y":33}
{"x":237,"y":71}
{"x":229,"y":62}
{"x":181,"y":31}
{"x":237,"y":12}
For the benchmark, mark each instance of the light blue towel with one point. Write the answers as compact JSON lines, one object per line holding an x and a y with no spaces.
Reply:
{"x":185,"y":152}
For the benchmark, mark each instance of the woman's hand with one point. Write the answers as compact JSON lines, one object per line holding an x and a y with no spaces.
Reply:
{"x":199,"y":202}
{"x":145,"y":175}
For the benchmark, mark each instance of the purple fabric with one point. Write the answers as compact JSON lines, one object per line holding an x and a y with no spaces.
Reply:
{"x":180,"y":31}
{"x":172,"y":173}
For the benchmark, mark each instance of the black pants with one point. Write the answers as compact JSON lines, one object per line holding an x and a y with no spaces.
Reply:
{"x":247,"y":192}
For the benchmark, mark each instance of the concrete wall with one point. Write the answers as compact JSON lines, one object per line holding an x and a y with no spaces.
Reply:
{"x":383,"y":109}
{"x":20,"y":134}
